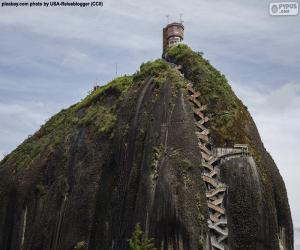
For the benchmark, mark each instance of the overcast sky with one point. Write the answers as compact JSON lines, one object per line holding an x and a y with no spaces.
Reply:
{"x":51,"y":57}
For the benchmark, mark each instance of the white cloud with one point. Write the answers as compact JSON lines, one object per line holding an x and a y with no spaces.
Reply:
{"x":17,"y":122}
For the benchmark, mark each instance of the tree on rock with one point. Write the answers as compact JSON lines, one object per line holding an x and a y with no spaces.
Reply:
{"x":139,"y":240}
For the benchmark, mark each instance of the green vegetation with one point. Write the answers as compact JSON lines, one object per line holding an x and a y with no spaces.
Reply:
{"x":230,"y":121}
{"x":97,"y":112}
{"x":227,"y":113}
{"x":186,"y":165}
{"x":92,"y":112}
{"x":200,"y":245}
{"x":152,"y":69}
{"x":140,"y":241}
{"x":160,"y":71}
{"x":157,"y":153}
{"x":81,"y":245}
{"x":100,"y":117}
{"x":229,"y":118}
{"x":117,"y":87}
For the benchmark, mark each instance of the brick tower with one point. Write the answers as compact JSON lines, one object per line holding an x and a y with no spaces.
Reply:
{"x":173,"y":34}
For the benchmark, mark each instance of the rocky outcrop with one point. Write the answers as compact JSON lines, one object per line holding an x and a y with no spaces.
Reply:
{"x":258,"y":209}
{"x":94,"y":188}
{"x":128,"y":154}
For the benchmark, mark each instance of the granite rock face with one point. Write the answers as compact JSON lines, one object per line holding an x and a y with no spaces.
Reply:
{"x":257,"y":205}
{"x":128,"y":154}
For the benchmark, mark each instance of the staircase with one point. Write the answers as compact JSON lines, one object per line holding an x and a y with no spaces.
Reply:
{"x":212,"y":159}
{"x":215,"y":189}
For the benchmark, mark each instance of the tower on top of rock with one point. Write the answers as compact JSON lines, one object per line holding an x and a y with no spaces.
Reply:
{"x":173,"y":34}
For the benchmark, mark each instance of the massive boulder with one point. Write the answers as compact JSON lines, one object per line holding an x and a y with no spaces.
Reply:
{"x":128,"y":154}
{"x":258,"y":209}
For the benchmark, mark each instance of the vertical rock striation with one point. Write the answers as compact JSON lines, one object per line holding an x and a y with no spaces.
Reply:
{"x":128,"y":154}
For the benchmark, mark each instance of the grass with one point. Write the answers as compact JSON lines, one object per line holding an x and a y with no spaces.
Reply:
{"x":92,"y":112}
{"x":152,"y":69}
{"x":60,"y":127}
{"x":118,"y":86}
{"x":230,"y":121}
{"x":227,"y":113}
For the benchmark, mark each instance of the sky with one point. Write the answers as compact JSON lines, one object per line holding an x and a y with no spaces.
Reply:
{"x":51,"y":57}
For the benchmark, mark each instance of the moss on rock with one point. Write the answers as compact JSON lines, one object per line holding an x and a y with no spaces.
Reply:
{"x":230,"y":123}
{"x":127,"y":153}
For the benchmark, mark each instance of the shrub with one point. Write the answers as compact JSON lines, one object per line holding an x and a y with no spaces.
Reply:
{"x":140,"y":241}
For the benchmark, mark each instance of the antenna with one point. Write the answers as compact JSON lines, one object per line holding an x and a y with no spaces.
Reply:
{"x":116,"y":69}
{"x":181,"y":21}
{"x":168,"y":19}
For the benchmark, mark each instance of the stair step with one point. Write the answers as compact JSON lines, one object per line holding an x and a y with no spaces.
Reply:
{"x":210,"y":180}
{"x":218,"y":229}
{"x":206,"y":157}
{"x":215,"y":217}
{"x":198,"y":112}
{"x":202,"y":137}
{"x":193,"y":98}
{"x":216,"y":208}
{"x":215,"y":191}
{"x":200,"y":126}
{"x":210,"y":167}
{"x":213,"y":173}
{"x":218,"y":201}
{"x":217,"y":245}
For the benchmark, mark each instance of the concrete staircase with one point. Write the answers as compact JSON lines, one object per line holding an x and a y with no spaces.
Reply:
{"x":215,"y":189}
{"x":212,"y":159}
